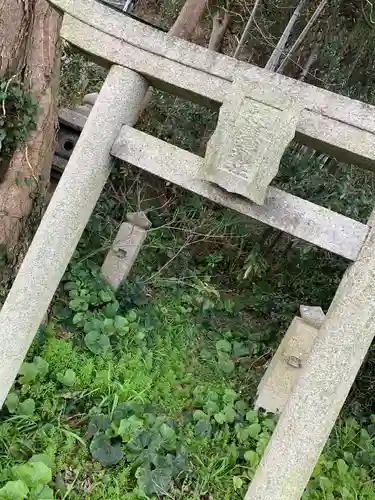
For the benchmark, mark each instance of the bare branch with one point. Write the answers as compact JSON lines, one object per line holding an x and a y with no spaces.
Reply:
{"x":302,"y":36}
{"x":310,"y":61}
{"x":273,"y":61}
{"x":245,"y":33}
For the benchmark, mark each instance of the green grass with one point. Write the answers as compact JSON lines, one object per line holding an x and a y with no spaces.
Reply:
{"x":164,"y":368}
{"x":174,"y":379}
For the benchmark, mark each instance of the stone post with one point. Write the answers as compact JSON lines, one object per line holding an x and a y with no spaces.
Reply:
{"x":287,"y":363}
{"x":323,"y":385}
{"x":125,"y":249}
{"x":65,"y":219}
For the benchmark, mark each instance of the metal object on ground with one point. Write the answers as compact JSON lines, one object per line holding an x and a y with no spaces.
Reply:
{"x":71,"y":124}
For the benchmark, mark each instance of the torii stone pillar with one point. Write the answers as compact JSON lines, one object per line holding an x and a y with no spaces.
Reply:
{"x":119,"y":103}
{"x":321,"y":390}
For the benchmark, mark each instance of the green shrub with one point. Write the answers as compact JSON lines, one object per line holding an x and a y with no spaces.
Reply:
{"x":18,"y":111}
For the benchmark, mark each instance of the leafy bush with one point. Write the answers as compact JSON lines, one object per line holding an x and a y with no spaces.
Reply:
{"x":159,"y":413}
{"x":30,"y":482}
{"x":347,"y":465}
{"x":138,"y":434}
{"x":92,"y":308}
{"x":17,"y":118}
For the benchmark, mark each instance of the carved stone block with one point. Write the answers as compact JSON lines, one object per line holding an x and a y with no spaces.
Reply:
{"x":256,"y":123}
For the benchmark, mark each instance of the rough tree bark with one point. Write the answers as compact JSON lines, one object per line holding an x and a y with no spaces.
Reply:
{"x":220,"y":24}
{"x":188,"y":18}
{"x":29,"y":48}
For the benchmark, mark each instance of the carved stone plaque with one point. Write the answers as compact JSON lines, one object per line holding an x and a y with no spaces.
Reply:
{"x":256,"y":123}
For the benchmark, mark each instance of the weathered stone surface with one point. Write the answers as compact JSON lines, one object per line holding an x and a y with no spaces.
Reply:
{"x":338,"y":352}
{"x":65,"y":142}
{"x":281,"y":210}
{"x":139,"y":219}
{"x":335,"y":124}
{"x":286,"y":365}
{"x":256,"y":124}
{"x":65,"y":219}
{"x":298,"y":217}
{"x":122,"y":255}
{"x":83,"y":110}
{"x":90,"y":99}
{"x":72,"y":119}
{"x":312,"y":315}
{"x":59,"y":163}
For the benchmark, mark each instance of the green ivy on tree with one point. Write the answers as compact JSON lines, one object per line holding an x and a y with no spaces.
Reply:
{"x":18,"y":112}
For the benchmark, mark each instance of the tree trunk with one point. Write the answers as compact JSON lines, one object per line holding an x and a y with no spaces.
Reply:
{"x":183,"y":27}
{"x":220,"y":24}
{"x":188,"y":18}
{"x":30,"y":49}
{"x":246,"y":31}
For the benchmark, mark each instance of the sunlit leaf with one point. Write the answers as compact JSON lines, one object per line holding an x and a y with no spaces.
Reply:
{"x":14,"y":490}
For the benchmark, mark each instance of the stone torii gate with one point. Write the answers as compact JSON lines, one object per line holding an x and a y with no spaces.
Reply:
{"x":260,"y":113}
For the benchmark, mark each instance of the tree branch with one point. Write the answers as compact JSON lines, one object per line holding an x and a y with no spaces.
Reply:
{"x":273,"y":61}
{"x":302,"y":36}
{"x":220,"y":25}
{"x":310,"y":61}
{"x":245,"y":33}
